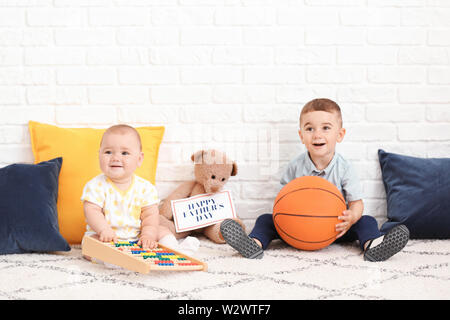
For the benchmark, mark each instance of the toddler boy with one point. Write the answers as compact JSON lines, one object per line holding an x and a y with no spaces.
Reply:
{"x":320,"y":130}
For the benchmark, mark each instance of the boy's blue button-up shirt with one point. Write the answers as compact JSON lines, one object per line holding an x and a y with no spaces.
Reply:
{"x":339,"y":172}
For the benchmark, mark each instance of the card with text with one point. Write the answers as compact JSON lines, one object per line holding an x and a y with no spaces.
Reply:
{"x":202,"y":210}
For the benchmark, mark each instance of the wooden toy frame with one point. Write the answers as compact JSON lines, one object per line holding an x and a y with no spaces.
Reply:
{"x":109,"y":253}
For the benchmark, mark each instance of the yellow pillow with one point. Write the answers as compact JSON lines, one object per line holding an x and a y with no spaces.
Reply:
{"x":79,"y":149}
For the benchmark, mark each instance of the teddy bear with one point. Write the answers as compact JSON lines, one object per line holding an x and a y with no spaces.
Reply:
{"x":212,"y":169}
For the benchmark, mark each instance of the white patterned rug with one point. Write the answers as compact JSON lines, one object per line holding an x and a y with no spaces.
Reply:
{"x":420,"y":271}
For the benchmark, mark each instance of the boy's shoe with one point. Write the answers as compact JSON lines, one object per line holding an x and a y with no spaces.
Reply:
{"x":393,"y":241}
{"x":236,"y":237}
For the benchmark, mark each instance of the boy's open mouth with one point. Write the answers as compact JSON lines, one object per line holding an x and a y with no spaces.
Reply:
{"x":318,"y":144}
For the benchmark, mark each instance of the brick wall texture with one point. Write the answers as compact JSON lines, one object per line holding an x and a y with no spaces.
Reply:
{"x":231,"y":75}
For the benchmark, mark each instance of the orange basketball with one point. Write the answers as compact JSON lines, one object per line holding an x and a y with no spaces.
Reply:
{"x":305,"y":212}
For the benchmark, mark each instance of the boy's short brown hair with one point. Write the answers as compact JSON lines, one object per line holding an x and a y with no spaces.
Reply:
{"x":322,"y":104}
{"x":122,"y":129}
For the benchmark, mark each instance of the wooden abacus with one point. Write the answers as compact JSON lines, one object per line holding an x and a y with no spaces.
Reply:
{"x":129,"y":255}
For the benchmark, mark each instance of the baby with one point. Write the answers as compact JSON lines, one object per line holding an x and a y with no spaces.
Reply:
{"x":119,"y":204}
{"x":320,"y":130}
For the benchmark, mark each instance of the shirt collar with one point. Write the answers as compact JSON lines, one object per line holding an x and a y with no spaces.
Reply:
{"x":122,"y":192}
{"x":311,"y":167}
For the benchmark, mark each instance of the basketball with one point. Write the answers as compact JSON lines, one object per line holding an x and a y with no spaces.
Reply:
{"x":306,"y":211}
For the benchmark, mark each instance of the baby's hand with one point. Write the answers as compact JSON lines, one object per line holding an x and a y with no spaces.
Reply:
{"x":349,"y":218}
{"x":147,"y":242}
{"x":107,"y":235}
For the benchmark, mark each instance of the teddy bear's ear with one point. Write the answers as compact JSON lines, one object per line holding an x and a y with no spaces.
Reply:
{"x":234,"y":171}
{"x":197,"y":156}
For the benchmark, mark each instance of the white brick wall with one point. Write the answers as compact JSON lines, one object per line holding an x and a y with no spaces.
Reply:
{"x":231,"y":74}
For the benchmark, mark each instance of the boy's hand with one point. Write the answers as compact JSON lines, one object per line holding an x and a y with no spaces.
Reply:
{"x":107,"y":235}
{"x":147,"y":242}
{"x":349,"y":217}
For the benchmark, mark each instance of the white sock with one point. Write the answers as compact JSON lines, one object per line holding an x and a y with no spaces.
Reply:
{"x":190,"y":243}
{"x":169,"y":241}
{"x":375,"y":242}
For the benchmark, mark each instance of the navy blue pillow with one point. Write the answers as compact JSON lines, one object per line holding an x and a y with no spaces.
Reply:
{"x":417,"y":194}
{"x":28,"y":216}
